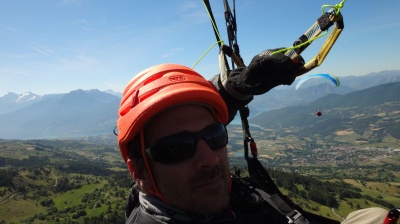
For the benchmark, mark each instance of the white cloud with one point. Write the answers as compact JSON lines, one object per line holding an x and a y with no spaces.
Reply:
{"x":80,"y":62}
{"x":25,"y":72}
{"x":13,"y":71}
{"x":8,"y":28}
{"x":71,"y":2}
{"x":194,"y":11}
{"x":43,"y":51}
{"x":87,"y":60}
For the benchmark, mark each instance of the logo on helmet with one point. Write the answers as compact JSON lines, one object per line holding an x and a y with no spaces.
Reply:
{"x":177,"y":78}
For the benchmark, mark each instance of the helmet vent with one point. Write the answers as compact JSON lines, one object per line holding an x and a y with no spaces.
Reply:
{"x":135,"y":98}
{"x":153,"y":78}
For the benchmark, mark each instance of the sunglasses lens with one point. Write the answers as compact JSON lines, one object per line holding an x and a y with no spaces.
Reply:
{"x":174,"y":149}
{"x":179,"y":147}
{"x":216,"y":136}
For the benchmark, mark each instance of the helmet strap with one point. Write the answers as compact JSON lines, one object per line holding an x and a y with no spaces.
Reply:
{"x":153,"y":191}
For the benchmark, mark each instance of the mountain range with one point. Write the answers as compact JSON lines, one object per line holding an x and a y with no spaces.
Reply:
{"x":75,"y":114}
{"x":314,"y":89}
{"x":372,"y":113}
{"x":82,"y":113}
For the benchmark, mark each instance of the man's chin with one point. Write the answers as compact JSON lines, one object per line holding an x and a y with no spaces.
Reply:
{"x":212,"y":207}
{"x":212,"y":202}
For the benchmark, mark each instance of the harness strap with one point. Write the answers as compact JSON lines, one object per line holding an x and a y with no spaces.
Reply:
{"x":282,"y":207}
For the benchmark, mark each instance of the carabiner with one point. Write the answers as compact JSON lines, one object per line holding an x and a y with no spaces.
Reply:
{"x":323,"y":23}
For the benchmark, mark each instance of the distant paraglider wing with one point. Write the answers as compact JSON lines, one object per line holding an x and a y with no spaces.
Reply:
{"x":333,"y":78}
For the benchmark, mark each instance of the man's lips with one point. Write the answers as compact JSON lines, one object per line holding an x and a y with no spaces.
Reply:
{"x":210,"y":182}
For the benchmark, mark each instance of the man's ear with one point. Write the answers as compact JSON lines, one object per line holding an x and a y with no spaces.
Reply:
{"x":130,"y":167}
{"x":134,"y":169}
{"x":139,"y":174}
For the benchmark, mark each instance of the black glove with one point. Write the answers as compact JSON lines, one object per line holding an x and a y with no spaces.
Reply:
{"x":265,"y":72}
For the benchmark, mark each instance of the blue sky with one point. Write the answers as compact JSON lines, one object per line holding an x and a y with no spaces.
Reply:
{"x":56,"y":46}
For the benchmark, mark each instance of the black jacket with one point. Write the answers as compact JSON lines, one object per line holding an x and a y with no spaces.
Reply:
{"x":246,"y":206}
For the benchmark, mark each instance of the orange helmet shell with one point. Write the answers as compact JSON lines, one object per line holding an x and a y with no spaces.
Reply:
{"x":157,"y":89}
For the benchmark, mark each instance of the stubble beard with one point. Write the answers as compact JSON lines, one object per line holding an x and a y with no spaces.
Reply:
{"x":187,"y":197}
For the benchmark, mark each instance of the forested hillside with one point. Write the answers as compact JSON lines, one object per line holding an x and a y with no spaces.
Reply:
{"x":85,"y":181}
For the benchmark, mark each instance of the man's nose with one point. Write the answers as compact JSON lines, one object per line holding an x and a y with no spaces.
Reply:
{"x":205,"y":157}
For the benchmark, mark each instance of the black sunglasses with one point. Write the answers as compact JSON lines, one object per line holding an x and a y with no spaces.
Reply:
{"x":179,"y":147}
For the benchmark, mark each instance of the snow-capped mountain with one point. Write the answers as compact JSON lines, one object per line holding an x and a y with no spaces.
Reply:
{"x":18,"y":98}
{"x":77,"y":113}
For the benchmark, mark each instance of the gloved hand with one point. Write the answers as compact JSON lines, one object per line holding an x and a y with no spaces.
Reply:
{"x":265,"y":72}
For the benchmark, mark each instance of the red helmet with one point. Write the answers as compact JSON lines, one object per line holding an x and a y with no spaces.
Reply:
{"x":157,"y":89}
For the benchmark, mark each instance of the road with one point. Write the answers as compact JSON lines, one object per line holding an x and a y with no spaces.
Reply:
{"x":11,"y":196}
{"x":333,"y":210}
{"x":55,"y":184}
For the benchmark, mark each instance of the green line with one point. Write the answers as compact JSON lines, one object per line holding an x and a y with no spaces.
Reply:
{"x":219,"y":39}
{"x":337,"y":7}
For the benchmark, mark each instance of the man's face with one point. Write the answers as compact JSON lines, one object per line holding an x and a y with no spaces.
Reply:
{"x":199,"y":184}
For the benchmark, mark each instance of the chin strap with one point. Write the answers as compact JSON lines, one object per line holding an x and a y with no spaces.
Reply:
{"x":153,"y":191}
